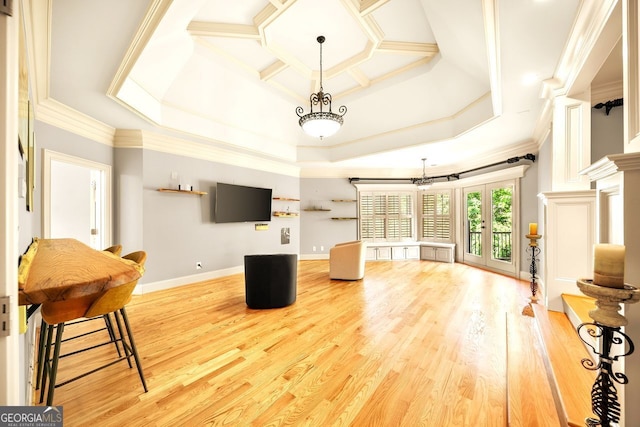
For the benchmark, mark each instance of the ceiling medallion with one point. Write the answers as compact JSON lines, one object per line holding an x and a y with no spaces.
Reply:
{"x":321,"y":124}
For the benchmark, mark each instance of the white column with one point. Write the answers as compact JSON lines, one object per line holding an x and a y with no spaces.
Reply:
{"x":570,"y":224}
{"x":571,"y":142}
{"x":617,"y":178}
{"x":9,"y":158}
{"x":631,"y":75}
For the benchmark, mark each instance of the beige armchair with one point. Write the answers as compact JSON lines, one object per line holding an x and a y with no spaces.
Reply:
{"x":346,"y":260}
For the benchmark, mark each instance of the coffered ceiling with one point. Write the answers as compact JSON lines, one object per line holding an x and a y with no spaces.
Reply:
{"x":456,"y":81}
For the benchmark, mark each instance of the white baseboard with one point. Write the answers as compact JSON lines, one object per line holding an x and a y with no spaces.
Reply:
{"x":313,"y":256}
{"x":145,"y":288}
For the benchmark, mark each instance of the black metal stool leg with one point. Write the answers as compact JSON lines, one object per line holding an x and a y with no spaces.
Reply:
{"x":112,"y":334}
{"x":41,"y":343}
{"x":54,"y":363}
{"x":45,"y":360}
{"x":133,"y":347}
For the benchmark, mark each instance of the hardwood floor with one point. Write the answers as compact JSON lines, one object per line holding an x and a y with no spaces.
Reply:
{"x":413,"y":343}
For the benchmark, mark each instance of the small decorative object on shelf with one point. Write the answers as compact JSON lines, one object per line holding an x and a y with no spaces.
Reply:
{"x":317,"y":209}
{"x":343,"y":200}
{"x":286,"y":199}
{"x":285,"y":214}
{"x":172,"y":190}
{"x":606,"y":329}
{"x":534,"y":249}
{"x":343,"y":218}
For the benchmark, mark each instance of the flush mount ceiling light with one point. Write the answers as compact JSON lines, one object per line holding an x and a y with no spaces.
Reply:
{"x":321,"y":124}
{"x":424,"y":182}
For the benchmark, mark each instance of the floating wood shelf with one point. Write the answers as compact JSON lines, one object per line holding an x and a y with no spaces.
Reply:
{"x":343,"y":200}
{"x":286,"y":199}
{"x":285,"y":214}
{"x":343,"y":218}
{"x":317,"y":210}
{"x":171,"y":190}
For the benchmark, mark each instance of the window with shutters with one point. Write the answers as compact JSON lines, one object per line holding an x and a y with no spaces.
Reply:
{"x":435,"y":216}
{"x":386,"y":216}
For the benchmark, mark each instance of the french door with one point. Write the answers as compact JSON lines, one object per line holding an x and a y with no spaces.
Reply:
{"x":489,"y":226}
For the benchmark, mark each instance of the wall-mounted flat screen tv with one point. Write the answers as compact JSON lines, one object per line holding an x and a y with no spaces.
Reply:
{"x":239,"y":203}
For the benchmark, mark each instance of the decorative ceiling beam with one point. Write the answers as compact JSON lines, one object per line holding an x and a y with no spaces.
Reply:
{"x":409,"y":48}
{"x":492,"y":36}
{"x":367,"y":23}
{"x":272,"y":70}
{"x":359,"y":76}
{"x":217,"y":29}
{"x":352,"y":62}
{"x":368,"y":6}
{"x":389,"y":75}
{"x":268,"y":15}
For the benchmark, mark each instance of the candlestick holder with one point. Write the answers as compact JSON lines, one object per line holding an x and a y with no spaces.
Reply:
{"x":606,"y":330}
{"x":534,"y":250}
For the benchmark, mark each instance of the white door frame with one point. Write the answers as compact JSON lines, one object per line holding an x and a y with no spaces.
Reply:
{"x":48,"y":157}
{"x":486,"y":261}
{"x":10,"y":377}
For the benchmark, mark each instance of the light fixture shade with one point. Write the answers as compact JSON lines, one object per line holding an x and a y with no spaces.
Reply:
{"x":321,"y":124}
{"x":425,"y":186}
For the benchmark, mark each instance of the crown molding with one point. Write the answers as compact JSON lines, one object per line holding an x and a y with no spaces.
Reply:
{"x":606,"y":92}
{"x":135,"y":138}
{"x":588,"y":41}
{"x":611,"y":164}
{"x":155,"y":12}
{"x":37,"y":25}
{"x":61,"y":116}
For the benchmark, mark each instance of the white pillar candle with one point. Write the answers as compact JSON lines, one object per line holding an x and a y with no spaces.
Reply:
{"x":608,"y":265}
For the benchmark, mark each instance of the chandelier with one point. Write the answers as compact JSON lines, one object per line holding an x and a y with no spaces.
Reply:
{"x":320,"y":124}
{"x":424,"y":182}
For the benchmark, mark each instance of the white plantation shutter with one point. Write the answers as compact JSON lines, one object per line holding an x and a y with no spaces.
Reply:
{"x":386,"y":216}
{"x":435,"y":213}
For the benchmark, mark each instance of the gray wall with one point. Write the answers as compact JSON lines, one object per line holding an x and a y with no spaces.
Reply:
{"x":607,"y":133}
{"x":528,"y":211}
{"x":317,"y":228}
{"x":544,"y":184}
{"x":55,"y":139}
{"x":178,"y":230}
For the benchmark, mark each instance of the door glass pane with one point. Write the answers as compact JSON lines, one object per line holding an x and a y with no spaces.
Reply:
{"x":501,"y":223}
{"x":474,"y":223}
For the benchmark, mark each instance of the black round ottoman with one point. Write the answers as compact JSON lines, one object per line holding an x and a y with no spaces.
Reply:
{"x":270,"y":281}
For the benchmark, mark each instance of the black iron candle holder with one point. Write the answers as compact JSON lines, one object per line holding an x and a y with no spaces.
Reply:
{"x":535,"y":250}
{"x":606,"y":330}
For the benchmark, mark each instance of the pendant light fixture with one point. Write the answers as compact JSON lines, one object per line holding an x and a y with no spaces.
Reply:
{"x":321,"y":123}
{"x":424,"y":182}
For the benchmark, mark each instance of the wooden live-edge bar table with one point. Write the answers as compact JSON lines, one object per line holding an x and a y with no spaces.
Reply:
{"x":62,"y":269}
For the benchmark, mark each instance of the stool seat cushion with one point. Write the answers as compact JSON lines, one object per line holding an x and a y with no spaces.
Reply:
{"x":270,"y":280}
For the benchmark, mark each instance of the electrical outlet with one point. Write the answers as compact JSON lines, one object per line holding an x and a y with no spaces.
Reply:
{"x":321,"y":248}
{"x":314,"y":249}
{"x":198,"y":265}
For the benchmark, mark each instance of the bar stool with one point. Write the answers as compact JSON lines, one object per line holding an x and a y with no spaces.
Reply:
{"x":56,"y":314}
{"x":116,"y":250}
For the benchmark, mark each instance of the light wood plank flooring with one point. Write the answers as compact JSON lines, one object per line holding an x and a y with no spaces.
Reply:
{"x":415,"y":343}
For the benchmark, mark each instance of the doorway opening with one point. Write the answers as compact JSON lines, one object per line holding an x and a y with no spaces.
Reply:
{"x":76,"y":199}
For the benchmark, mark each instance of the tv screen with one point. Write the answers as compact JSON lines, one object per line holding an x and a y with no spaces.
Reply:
{"x":238,"y":203}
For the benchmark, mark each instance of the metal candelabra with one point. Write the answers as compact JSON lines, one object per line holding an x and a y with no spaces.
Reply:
{"x":606,"y":330}
{"x":533,"y":269}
